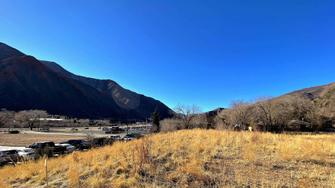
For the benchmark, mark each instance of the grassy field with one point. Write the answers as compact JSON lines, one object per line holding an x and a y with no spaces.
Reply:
{"x":190,"y":158}
{"x":28,"y":139}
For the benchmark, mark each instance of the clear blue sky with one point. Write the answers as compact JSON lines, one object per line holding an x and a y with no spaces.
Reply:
{"x":206,"y":53}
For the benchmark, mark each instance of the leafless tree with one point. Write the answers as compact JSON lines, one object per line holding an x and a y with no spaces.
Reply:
{"x":6,"y":117}
{"x":187,"y":114}
{"x":239,"y":115}
{"x":302,"y":109}
{"x":173,"y":124}
{"x":273,"y":114}
{"x":30,"y":117}
{"x":264,"y":113}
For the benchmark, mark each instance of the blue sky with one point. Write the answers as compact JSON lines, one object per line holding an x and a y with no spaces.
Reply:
{"x":206,"y":53}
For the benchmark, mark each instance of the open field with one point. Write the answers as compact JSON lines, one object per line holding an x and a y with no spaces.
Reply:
{"x":28,"y":139}
{"x":190,"y":158}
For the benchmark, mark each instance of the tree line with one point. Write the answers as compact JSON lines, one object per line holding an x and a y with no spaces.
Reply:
{"x":25,"y":118}
{"x":288,"y":113}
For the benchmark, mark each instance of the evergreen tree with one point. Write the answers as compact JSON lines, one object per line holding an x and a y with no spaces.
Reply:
{"x":155,"y":121}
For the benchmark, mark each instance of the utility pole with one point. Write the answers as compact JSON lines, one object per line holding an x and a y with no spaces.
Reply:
{"x":46,"y":171}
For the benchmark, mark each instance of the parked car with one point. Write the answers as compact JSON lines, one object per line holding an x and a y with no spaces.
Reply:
{"x":128,"y":138}
{"x":78,"y":144}
{"x":27,"y":154}
{"x":116,"y":138}
{"x":14,"y":132}
{"x":135,"y":135}
{"x":74,"y":130}
{"x":47,"y":148}
{"x":116,"y":130}
{"x":113,"y":130}
{"x":44,"y":129}
{"x":69,"y":148}
{"x":9,"y":156}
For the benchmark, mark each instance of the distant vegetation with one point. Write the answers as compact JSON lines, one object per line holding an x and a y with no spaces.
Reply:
{"x":35,"y":119}
{"x":289,"y":113}
{"x":190,"y":158}
{"x":26,"y":118}
{"x":309,"y":110}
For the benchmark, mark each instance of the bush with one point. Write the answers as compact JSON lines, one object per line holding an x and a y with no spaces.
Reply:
{"x":172,"y":124}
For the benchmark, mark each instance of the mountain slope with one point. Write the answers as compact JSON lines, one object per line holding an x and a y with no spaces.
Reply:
{"x":124,"y":98}
{"x":323,"y":97}
{"x":325,"y":91}
{"x":27,"y":83}
{"x":7,"y":51}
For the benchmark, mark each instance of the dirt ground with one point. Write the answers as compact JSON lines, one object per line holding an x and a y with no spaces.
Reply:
{"x":26,"y":139}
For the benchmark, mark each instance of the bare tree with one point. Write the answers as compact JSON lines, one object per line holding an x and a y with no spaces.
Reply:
{"x":279,"y":114}
{"x":301,"y":108}
{"x":172,"y":124}
{"x":273,"y":114}
{"x":264,"y":113}
{"x":241,"y":114}
{"x":6,"y":118}
{"x":187,"y":114}
{"x":30,"y":117}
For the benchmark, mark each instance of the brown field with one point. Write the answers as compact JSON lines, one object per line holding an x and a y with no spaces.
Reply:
{"x":190,"y":158}
{"x":28,"y":139}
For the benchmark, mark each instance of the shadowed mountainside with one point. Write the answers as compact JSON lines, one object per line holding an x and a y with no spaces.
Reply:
{"x":28,"y":83}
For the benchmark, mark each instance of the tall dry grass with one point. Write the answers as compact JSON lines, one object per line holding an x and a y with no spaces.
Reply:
{"x":191,"y":158}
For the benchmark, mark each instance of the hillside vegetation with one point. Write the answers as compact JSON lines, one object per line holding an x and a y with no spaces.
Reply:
{"x":190,"y":158}
{"x":310,"y":109}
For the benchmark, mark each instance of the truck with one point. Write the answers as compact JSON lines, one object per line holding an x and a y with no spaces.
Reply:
{"x":48,"y":149}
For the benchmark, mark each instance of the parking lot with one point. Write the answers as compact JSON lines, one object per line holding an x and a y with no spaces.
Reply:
{"x":28,"y":144}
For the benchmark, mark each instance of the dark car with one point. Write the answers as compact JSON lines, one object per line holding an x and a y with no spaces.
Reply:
{"x":132,"y":136}
{"x":47,"y":148}
{"x":113,"y":130}
{"x":79,"y":144}
{"x":9,"y":156}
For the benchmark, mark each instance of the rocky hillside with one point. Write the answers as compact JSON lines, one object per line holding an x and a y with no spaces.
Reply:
{"x":323,"y":96}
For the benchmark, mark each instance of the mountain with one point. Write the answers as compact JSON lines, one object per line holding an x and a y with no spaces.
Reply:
{"x":325,"y":91}
{"x":323,"y":97}
{"x":28,"y":83}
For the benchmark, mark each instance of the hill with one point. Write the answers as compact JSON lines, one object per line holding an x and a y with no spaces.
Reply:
{"x":325,"y":91}
{"x":190,"y":158}
{"x":28,"y":83}
{"x":322,"y":96}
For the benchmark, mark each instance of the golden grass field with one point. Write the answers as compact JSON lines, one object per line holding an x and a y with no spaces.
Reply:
{"x":190,"y":158}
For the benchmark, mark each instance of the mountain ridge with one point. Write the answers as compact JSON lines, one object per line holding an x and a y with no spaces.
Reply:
{"x":28,"y":83}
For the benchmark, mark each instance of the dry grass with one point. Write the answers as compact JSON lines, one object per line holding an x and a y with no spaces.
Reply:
{"x":27,"y":139}
{"x":191,"y":158}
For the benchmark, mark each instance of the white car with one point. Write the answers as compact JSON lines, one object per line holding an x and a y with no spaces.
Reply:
{"x":128,"y":138}
{"x":27,"y":154}
{"x":69,"y":148}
